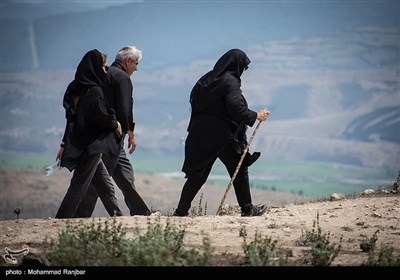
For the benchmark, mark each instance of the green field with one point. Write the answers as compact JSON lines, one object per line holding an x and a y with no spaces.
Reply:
{"x":17,"y":160}
{"x":310,"y":179}
{"x":306,"y":188}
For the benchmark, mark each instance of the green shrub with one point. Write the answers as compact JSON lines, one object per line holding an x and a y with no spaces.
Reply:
{"x":368,"y":244}
{"x":384,"y":257}
{"x":261,"y":251}
{"x":322,"y":251}
{"x":199,"y":211}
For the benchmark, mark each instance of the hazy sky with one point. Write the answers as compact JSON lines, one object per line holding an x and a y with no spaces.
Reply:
{"x":94,"y":3}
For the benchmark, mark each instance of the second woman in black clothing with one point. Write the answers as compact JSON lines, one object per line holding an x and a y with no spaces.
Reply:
{"x":217,"y":129}
{"x":91,"y":131}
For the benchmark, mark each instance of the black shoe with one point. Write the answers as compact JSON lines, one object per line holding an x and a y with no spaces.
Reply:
{"x":179,"y":214}
{"x":249,"y":159}
{"x":256,"y":210}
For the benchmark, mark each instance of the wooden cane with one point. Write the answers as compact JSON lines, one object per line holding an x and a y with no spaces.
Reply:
{"x":237,"y":168}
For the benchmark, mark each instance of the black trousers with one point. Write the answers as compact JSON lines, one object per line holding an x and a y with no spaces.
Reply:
{"x":241,"y":183}
{"x":90,"y":169}
{"x":124,"y":178}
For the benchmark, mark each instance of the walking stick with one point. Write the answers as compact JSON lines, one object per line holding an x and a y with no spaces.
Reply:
{"x":237,"y":168}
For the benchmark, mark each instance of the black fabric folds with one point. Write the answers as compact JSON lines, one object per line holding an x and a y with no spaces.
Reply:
{"x":220,"y":114}
{"x":90,"y":124}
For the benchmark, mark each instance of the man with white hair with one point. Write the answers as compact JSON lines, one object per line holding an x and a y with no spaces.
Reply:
{"x":119,"y":95}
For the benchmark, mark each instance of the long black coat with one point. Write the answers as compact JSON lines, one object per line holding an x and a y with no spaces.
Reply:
{"x":220,"y":114}
{"x":91,"y":125}
{"x":119,"y":95}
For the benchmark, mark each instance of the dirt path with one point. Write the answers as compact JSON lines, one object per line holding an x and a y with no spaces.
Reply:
{"x":347,"y":219}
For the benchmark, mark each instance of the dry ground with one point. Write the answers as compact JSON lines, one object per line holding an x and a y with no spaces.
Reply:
{"x":349,"y":219}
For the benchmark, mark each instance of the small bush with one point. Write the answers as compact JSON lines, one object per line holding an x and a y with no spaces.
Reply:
{"x":322,"y":251}
{"x":262,"y":251}
{"x":384,"y":257}
{"x":199,"y":211}
{"x":368,"y":244}
{"x":308,"y":237}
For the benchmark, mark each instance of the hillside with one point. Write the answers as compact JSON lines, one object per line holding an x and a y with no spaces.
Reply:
{"x":348,"y":222}
{"x":33,"y":121}
{"x":327,"y":71}
{"x":159,"y":27}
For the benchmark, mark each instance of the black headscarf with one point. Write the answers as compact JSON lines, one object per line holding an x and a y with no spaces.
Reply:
{"x":90,"y":126}
{"x":206,"y":90}
{"x":88,"y":74}
{"x":234,"y":61}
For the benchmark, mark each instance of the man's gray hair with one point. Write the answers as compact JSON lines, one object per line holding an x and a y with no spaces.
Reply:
{"x":131,"y":52}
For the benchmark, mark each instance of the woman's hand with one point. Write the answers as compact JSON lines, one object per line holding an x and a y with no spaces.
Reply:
{"x":60,"y":153}
{"x":119,"y":128}
{"x":262,"y":115}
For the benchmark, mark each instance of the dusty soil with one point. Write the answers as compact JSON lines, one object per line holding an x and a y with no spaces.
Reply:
{"x":347,"y":220}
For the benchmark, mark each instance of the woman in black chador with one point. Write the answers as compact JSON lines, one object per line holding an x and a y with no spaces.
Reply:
{"x":217,"y":129}
{"x":91,"y":131}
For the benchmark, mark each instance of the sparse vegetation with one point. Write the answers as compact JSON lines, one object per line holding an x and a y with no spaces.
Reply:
{"x":385,"y":257}
{"x":199,"y":211}
{"x":271,"y":226}
{"x":367,"y":244}
{"x":362,"y":224}
{"x":106,"y":244}
{"x":323,"y":252}
{"x":262,"y":251}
